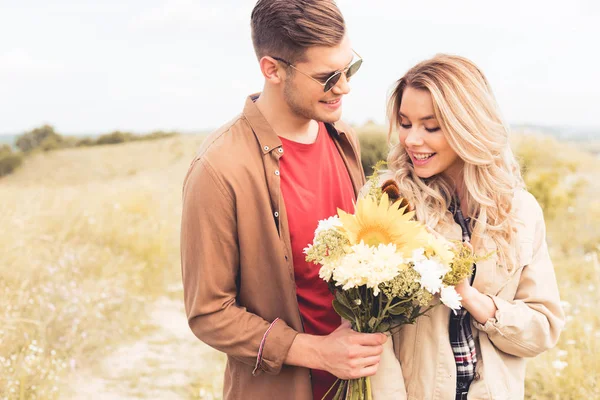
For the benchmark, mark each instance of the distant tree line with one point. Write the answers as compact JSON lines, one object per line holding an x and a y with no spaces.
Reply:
{"x":45,"y":138}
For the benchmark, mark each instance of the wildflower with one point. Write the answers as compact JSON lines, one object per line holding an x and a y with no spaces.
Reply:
{"x":559,"y":365}
{"x":376,"y":223}
{"x":450,"y":297}
{"x":431,"y":273}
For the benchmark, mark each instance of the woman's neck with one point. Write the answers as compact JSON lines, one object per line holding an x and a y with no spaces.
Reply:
{"x":460,"y":190}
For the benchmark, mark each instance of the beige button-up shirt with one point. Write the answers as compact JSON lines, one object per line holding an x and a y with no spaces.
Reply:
{"x":236,"y":255}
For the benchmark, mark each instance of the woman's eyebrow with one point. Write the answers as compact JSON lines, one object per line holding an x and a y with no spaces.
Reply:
{"x":422,"y":119}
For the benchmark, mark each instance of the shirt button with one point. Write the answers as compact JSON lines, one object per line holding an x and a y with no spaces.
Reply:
{"x":277,"y":172}
{"x":266,"y":148}
{"x":276,"y":214}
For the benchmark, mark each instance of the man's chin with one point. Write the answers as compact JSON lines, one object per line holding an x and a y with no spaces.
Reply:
{"x":330,"y":117}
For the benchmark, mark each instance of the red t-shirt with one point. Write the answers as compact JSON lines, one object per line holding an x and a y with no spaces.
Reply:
{"x":314,"y":184}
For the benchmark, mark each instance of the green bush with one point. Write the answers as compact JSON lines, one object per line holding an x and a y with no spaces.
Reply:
{"x":115,"y":137}
{"x":85,"y":142}
{"x":52,"y":142}
{"x":374,"y":147}
{"x":159,"y":135}
{"x":33,"y":139}
{"x":9,"y":161}
{"x":550,"y":173}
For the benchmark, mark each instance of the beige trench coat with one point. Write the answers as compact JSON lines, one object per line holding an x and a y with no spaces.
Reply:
{"x":528,"y":321}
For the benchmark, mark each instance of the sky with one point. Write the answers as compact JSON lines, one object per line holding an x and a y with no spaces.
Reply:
{"x":97,"y":66}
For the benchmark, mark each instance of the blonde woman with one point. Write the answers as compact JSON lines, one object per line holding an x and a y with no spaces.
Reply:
{"x":454,"y":165}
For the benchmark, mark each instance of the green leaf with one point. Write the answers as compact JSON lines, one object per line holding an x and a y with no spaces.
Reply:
{"x":372,"y":323}
{"x":383,"y":327}
{"x":416,"y":312}
{"x":342,"y":310}
{"x":343,"y":298}
{"x":399,"y":309}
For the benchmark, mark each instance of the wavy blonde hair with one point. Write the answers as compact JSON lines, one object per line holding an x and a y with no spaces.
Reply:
{"x":468,"y":114}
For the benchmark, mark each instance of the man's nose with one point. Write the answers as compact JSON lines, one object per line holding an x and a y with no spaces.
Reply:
{"x":342,"y":86}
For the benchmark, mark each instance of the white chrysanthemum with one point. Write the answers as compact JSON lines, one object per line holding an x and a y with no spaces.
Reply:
{"x":450,"y":297}
{"x":329,"y":223}
{"x":362,"y":252}
{"x":326,"y":271}
{"x":366,"y":265}
{"x":351,"y":271}
{"x":418,"y":255}
{"x":307,"y":249}
{"x":431,"y":272}
{"x":389,"y":253}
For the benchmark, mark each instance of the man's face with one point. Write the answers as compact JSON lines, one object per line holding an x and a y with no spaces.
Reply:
{"x":306,"y":97}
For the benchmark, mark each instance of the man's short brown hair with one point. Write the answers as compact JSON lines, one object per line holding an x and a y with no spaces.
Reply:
{"x":286,"y":28}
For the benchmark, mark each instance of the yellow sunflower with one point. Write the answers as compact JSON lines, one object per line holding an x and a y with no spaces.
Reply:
{"x":376,"y":223}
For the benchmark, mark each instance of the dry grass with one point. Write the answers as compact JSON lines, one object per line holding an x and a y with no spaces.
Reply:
{"x":90,"y":238}
{"x":87,"y":243}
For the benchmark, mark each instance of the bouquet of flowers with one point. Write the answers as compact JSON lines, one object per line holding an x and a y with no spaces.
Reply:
{"x":385,"y":269}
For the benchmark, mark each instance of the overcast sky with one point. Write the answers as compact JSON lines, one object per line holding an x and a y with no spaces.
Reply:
{"x":96,"y":66}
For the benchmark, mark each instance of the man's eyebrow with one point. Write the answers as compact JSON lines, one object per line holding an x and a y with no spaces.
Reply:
{"x":328,"y":74}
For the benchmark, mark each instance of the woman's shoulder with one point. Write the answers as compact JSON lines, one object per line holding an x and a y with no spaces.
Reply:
{"x":529,"y":218}
{"x":526,"y":206}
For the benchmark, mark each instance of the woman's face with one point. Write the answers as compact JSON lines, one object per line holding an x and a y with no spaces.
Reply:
{"x":423,"y":138}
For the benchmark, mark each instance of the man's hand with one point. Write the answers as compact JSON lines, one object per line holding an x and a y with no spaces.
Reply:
{"x":344,"y":353}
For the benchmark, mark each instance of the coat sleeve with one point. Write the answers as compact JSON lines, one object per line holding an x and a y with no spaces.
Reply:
{"x":210,"y":262}
{"x":530,"y":323}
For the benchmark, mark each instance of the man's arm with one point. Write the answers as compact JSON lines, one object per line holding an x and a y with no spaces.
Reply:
{"x":210,"y":266}
{"x":210,"y":263}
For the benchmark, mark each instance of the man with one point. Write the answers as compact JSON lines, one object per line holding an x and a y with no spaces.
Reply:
{"x":252,"y":199}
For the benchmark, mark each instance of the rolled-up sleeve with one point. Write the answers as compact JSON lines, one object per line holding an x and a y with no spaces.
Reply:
{"x":210,"y":269}
{"x":530,"y":323}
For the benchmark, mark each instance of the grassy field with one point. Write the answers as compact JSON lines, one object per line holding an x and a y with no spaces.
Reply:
{"x":90,"y":268}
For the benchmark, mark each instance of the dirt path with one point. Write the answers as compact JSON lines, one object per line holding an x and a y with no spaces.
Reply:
{"x":169,"y":363}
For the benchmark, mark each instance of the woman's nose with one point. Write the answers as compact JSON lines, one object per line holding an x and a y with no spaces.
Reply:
{"x":413,"y":138}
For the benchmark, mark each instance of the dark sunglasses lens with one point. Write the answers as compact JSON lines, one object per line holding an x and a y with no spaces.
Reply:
{"x":353,"y":68}
{"x":331,"y":82}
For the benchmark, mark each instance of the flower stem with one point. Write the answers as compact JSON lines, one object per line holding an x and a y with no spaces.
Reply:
{"x":368,"y":384}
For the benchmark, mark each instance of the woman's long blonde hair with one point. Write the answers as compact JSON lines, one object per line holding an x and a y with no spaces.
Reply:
{"x":468,"y":114}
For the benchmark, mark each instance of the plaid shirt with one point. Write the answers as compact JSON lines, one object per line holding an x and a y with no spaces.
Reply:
{"x":461,"y":334}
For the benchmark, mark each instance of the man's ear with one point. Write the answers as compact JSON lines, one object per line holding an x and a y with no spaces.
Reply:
{"x":271,"y":70}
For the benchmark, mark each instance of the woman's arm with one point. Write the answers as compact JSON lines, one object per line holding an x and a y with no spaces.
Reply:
{"x":531,"y":322}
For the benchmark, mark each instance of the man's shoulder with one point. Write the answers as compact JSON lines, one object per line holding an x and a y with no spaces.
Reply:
{"x":348,"y":131}
{"x":342,"y":126}
{"x":224,"y":150}
{"x":218,"y":140}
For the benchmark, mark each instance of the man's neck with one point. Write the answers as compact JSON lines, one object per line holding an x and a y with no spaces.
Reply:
{"x":284,"y":122}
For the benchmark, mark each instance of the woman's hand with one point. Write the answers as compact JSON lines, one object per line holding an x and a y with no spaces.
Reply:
{"x":480,"y":306}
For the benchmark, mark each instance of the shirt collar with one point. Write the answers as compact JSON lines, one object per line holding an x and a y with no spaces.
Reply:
{"x":266,"y":136}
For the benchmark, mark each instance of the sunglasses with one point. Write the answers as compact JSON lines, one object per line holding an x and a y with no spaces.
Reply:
{"x":334,"y":78}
